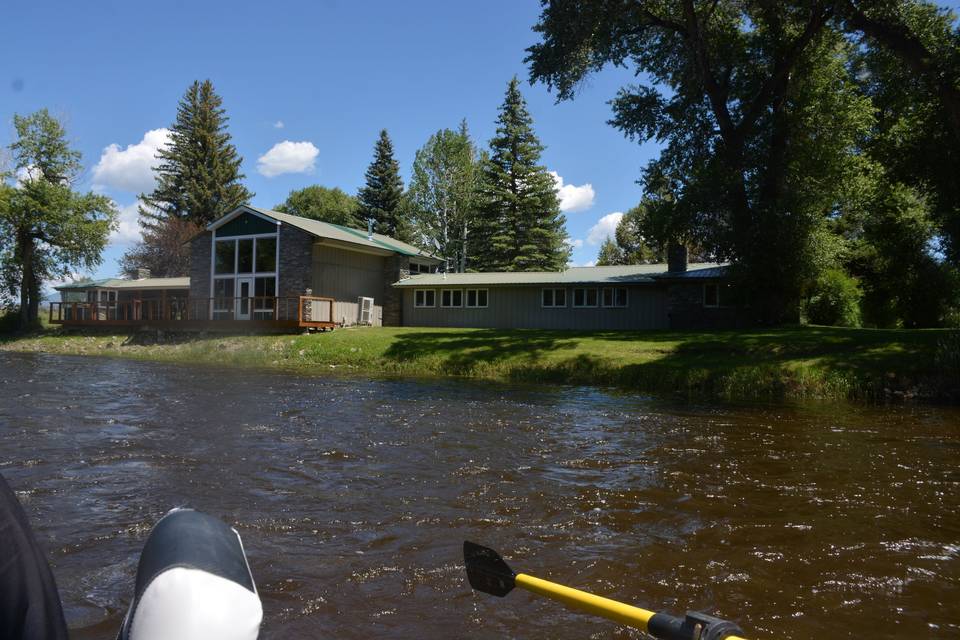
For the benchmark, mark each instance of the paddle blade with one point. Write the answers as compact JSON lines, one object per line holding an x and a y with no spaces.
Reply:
{"x":487,"y":571}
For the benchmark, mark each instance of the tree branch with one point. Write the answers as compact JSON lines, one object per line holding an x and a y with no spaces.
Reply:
{"x":717,"y":97}
{"x":777,"y":80}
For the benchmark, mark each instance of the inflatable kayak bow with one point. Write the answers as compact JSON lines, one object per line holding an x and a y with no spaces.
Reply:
{"x":193,"y":583}
{"x":487,"y":572}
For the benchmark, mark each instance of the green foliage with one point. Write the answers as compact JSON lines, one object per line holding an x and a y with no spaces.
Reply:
{"x":835,"y":300}
{"x":381,"y":198}
{"x":518,"y":226}
{"x":48,"y":229}
{"x":610,"y":254}
{"x":322,"y":203}
{"x":904,"y":284}
{"x":443,"y":194}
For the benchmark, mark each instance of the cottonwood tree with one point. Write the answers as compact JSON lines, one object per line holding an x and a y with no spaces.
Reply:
{"x":443,"y":195}
{"x":198,"y":180}
{"x":50,"y":229}
{"x":755,"y":108}
{"x":381,"y":198}
{"x":518,"y":226}
{"x":779,"y":121}
{"x":322,"y":203}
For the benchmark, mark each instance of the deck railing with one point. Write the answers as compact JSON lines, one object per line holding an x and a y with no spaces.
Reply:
{"x":287,"y":310}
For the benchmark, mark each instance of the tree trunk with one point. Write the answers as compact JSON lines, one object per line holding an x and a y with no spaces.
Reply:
{"x":27,"y":309}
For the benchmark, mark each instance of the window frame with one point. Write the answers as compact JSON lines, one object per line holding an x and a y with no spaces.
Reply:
{"x":595,"y":305}
{"x":553,"y":298}
{"x":466,"y":298}
{"x":451,"y":305}
{"x":425,"y":292}
{"x":716,"y":287}
{"x":613,"y":298}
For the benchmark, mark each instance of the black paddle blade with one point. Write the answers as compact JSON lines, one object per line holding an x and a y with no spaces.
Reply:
{"x":487,"y":571}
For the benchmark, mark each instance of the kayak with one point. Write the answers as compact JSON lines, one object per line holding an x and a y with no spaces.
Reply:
{"x":193,"y":583}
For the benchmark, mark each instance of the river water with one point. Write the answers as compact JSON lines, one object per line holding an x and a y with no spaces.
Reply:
{"x":353,"y":497}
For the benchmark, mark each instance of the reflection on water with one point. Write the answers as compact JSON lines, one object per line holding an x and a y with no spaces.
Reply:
{"x":353,"y":497}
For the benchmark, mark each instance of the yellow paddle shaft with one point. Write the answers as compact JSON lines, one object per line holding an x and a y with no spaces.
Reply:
{"x":605,"y":607}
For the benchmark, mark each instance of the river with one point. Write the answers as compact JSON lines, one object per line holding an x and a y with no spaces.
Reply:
{"x":353,"y":498}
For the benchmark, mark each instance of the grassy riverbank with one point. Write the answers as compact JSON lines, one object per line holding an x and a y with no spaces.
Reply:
{"x":808,"y":362}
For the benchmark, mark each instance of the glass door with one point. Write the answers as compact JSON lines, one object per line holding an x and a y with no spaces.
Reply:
{"x":244,"y":298}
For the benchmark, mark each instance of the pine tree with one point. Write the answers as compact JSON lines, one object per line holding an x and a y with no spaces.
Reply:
{"x":519,"y":226}
{"x":610,"y":254}
{"x":198,"y":178}
{"x":381,"y":199}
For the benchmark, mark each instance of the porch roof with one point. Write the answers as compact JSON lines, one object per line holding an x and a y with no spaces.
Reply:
{"x":120,"y":283}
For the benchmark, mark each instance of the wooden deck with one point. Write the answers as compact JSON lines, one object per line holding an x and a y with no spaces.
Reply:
{"x":289,"y":313}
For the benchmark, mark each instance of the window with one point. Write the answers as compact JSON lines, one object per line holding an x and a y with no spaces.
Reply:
{"x":266,"y":255}
{"x":223,"y":298}
{"x":225,"y":258}
{"x":615,"y":297}
{"x":451,"y":298}
{"x":553,"y":297}
{"x":711,"y":295}
{"x":264,"y":290}
{"x":245,"y":256}
{"x":720,"y":295}
{"x":476,"y":298}
{"x":416,"y":267}
{"x":584,"y":297}
{"x":424,"y":298}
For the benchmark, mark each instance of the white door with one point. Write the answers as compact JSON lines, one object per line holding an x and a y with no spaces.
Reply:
{"x":244,"y":298}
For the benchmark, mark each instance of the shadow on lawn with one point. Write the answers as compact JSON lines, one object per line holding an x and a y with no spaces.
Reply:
{"x":765,"y":363}
{"x":462,"y":352}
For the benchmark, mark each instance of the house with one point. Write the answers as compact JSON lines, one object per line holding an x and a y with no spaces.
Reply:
{"x":261,"y":269}
{"x":619,"y":298}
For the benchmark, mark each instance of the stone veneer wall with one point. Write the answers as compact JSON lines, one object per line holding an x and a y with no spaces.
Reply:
{"x":200,"y":266}
{"x":296,"y":262}
{"x":393,"y":297}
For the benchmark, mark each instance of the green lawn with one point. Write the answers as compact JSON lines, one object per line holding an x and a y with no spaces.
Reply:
{"x":807,"y":362}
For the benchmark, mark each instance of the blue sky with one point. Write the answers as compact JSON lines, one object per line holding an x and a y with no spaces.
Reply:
{"x":319,"y":79}
{"x":333,"y":73}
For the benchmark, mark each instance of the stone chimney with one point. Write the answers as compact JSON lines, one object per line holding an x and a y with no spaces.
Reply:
{"x":676,"y":257}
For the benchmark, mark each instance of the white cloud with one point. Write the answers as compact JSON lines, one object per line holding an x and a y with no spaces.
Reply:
{"x":25,"y":174}
{"x":574,"y":244}
{"x":278,"y":124}
{"x":605,"y":228}
{"x":131,"y":169}
{"x":128,"y":229}
{"x":572,"y":197}
{"x":288,"y":157}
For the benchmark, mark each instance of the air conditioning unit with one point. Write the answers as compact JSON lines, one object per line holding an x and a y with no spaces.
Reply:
{"x":364,"y":311}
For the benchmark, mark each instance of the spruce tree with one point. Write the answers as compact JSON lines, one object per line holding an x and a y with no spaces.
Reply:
{"x":381,"y":199}
{"x":198,"y":177}
{"x":518,"y":225}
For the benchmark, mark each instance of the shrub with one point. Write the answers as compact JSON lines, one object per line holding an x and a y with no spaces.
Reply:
{"x":835,"y":300}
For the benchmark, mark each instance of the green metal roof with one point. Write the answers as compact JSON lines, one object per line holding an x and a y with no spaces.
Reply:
{"x":346,"y":234}
{"x":120,"y":283}
{"x":621,"y":274}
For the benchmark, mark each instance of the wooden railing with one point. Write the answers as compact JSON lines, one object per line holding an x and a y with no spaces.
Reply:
{"x":298,"y":310}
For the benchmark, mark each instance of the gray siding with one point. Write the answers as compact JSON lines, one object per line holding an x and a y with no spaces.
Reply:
{"x":345,"y":276}
{"x":519,"y":308}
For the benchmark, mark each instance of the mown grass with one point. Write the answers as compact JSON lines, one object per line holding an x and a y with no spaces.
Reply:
{"x":795,"y":363}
